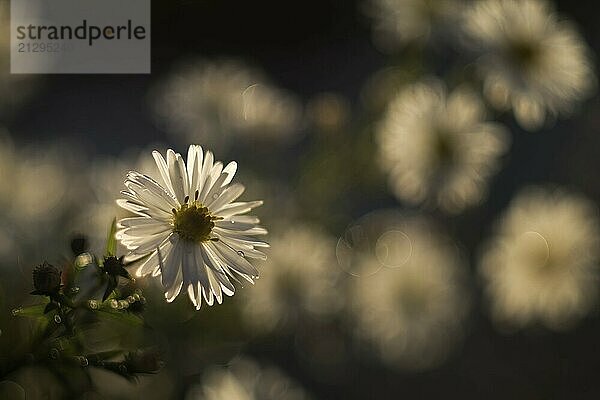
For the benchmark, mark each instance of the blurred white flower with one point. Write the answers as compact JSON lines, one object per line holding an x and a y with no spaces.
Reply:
{"x":542,"y":263}
{"x":216,"y":102}
{"x":413,"y":309}
{"x":38,"y":187}
{"x":328,"y":112}
{"x":438,"y":148}
{"x":190,"y":227}
{"x":531,"y":60}
{"x":399,"y":22}
{"x":244,"y":379}
{"x":298,"y":281}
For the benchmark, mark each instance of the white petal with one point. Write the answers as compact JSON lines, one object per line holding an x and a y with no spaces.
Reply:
{"x":141,"y":182}
{"x":145,"y":229}
{"x":153,"y":261}
{"x":226,"y":196}
{"x":211,"y":179}
{"x":248,"y":250}
{"x":194,"y":166}
{"x":192,"y":291}
{"x":234,"y":260}
{"x":246,"y":219}
{"x":216,"y":268}
{"x":230,"y":170}
{"x":190,"y":274}
{"x":171,"y":265}
{"x":237,"y":208}
{"x":215,"y":190}
{"x":151,"y":243}
{"x":177,"y":175}
{"x":239,"y":237}
{"x":164,"y":171}
{"x":233,"y":225}
{"x":202,"y":275}
{"x":205,"y":170}
{"x":175,"y":289}
{"x":215,"y":286}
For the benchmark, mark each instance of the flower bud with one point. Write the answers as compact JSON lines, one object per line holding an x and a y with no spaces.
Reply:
{"x":46,"y":279}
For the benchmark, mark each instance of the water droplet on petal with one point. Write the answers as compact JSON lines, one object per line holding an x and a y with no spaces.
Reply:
{"x":57,"y":319}
{"x":215,"y":196}
{"x":241,"y":253}
{"x":83,"y":361}
{"x":16,"y":311}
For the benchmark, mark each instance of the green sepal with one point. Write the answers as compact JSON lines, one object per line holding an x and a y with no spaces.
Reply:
{"x":111,"y":240}
{"x":112,"y":285}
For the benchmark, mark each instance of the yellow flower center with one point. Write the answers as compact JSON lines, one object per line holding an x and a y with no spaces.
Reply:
{"x":523,"y":53}
{"x":193,"y":222}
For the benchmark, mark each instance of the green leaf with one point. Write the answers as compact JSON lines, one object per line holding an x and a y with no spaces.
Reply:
{"x":111,"y":240}
{"x":120,"y":316}
{"x":36,"y":311}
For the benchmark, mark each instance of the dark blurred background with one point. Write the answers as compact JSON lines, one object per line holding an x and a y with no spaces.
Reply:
{"x":309,"y":47}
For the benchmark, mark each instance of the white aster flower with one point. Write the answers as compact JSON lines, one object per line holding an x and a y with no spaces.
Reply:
{"x":412,"y":310}
{"x":244,"y":379}
{"x":190,"y":226}
{"x":399,"y":22}
{"x":542,"y":264}
{"x":531,"y":60}
{"x":219,"y":101}
{"x":300,"y":278}
{"x":438,"y":148}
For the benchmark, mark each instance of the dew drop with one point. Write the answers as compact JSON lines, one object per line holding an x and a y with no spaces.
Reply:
{"x":16,"y":311}
{"x":93,"y":304}
{"x":83,"y":361}
{"x":57,"y":319}
{"x":216,"y":195}
{"x":241,"y":253}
